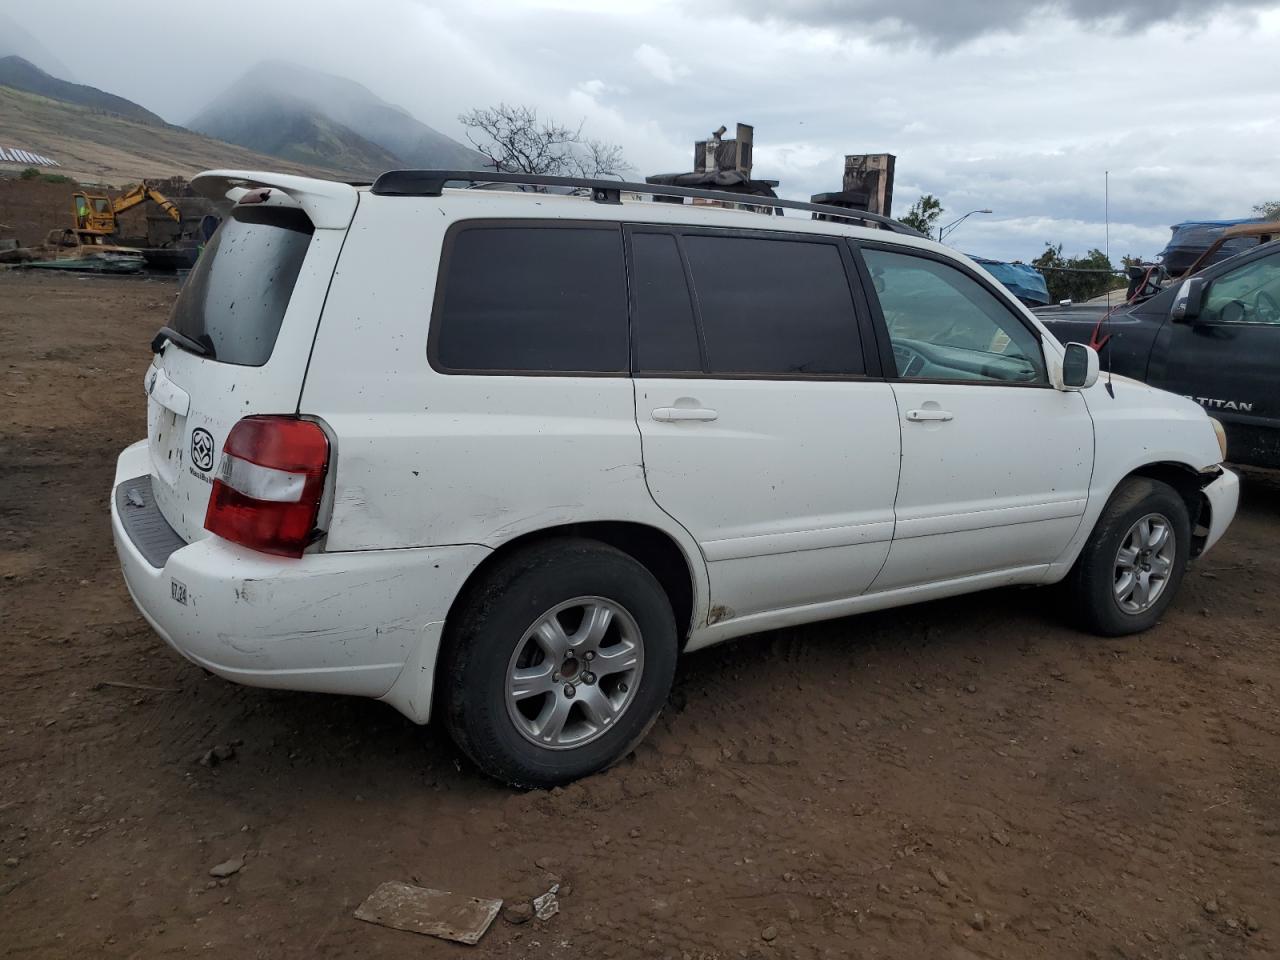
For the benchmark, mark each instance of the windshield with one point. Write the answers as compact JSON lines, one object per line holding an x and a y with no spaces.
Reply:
{"x":236,"y":296}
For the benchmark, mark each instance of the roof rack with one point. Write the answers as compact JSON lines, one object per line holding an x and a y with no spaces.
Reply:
{"x":431,"y":183}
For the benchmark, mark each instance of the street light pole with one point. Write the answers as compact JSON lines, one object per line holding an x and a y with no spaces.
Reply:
{"x":943,"y":232}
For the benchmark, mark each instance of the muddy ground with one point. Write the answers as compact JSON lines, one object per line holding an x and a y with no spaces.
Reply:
{"x":965,"y":779}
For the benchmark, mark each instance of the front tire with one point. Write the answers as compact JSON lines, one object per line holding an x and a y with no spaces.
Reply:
{"x":1128,"y":572}
{"x":557,"y":662}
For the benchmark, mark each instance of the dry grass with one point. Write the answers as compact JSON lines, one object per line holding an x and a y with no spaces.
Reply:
{"x":103,"y":148}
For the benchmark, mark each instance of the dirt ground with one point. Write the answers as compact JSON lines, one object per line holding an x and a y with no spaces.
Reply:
{"x":964,"y":779}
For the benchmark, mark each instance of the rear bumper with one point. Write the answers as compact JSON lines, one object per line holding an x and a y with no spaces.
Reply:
{"x":329,"y":622}
{"x":1223,"y":496}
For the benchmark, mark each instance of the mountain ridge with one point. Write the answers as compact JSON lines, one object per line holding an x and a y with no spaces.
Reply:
{"x":307,"y":116}
{"x":92,"y":146}
{"x":21,"y":74}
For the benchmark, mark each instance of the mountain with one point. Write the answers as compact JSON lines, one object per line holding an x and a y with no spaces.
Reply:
{"x":313,"y":117}
{"x":97,"y":147}
{"x":389,"y":126}
{"x":15,"y":41}
{"x":21,"y":74}
{"x":292,"y":128}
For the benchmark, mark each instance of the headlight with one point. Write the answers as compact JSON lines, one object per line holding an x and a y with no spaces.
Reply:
{"x":1221,"y":435}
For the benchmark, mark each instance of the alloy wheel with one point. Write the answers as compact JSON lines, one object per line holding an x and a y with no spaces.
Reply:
{"x":1144,"y":563}
{"x":574,"y":672}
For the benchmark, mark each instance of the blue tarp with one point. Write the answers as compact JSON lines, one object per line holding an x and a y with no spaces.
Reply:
{"x":1216,"y":223}
{"x":1193,"y":237}
{"x":1023,"y":281}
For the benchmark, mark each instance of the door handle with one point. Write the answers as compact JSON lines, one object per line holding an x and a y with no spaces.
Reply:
{"x":925,"y":416}
{"x":674,"y":414}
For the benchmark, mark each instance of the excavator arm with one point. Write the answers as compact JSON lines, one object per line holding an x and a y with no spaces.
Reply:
{"x":166,"y":205}
{"x":95,"y":216}
{"x":141,"y":194}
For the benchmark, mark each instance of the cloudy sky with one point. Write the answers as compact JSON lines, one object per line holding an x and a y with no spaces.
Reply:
{"x":1007,"y":104}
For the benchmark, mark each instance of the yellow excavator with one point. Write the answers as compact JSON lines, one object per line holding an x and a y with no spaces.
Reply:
{"x":96,"y":215}
{"x":93,"y":242}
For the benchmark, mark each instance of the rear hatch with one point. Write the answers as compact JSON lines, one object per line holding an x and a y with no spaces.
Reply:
{"x":240,"y":334}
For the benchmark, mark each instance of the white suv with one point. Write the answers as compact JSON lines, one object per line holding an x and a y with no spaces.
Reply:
{"x":504,"y":455}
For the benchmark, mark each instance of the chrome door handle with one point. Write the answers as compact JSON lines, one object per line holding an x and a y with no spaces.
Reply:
{"x":674,"y":414}
{"x":925,"y":416}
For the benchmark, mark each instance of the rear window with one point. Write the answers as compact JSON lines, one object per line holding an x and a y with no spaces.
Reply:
{"x":532,"y":300}
{"x":236,"y":296}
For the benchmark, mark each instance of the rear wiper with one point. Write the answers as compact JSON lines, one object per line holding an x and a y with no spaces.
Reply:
{"x":181,"y":339}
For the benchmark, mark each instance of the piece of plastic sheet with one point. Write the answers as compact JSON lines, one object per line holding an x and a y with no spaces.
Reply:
{"x":1023,"y":281}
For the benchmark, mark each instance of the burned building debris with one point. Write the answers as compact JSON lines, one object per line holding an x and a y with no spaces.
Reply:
{"x":721,"y":164}
{"x":867,"y":184}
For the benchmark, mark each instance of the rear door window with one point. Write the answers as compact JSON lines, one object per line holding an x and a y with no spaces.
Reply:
{"x":235,"y":299}
{"x":665,"y":335}
{"x":531,"y":299}
{"x":774,"y":307}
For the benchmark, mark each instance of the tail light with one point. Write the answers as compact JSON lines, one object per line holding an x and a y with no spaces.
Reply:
{"x":269,"y":485}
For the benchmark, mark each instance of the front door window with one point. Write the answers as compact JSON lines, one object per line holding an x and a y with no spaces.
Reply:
{"x":944,"y":325}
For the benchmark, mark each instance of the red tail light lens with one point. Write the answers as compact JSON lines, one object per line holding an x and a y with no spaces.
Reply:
{"x":269,"y":485}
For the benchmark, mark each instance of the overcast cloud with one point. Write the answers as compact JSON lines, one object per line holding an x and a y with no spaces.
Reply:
{"x":948,"y":24}
{"x":1016,"y":107}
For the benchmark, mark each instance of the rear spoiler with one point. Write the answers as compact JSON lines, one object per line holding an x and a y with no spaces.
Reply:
{"x":329,"y":204}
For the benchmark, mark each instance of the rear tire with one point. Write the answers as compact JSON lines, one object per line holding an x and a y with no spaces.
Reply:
{"x":1129,"y":570}
{"x":557,"y":662}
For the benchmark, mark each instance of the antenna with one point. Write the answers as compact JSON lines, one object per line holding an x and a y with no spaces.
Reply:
{"x":1106,"y":215}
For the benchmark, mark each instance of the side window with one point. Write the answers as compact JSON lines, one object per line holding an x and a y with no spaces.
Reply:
{"x":532,"y":299}
{"x":664,"y":332}
{"x":944,"y":325}
{"x":1248,"y":294}
{"x":774,"y":306}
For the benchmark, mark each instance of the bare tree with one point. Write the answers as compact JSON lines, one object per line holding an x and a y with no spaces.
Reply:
{"x":516,"y":141}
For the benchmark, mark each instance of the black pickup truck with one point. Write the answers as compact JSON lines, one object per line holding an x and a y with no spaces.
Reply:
{"x":1214,"y":337}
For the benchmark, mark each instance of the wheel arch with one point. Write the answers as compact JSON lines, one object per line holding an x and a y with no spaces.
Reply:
{"x":677,"y":572}
{"x":1185,"y":479}
{"x":1189,"y":484}
{"x":496,"y":604}
{"x":651,"y":546}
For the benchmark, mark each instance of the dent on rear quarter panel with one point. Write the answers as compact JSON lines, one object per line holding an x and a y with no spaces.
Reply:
{"x":425,"y":458}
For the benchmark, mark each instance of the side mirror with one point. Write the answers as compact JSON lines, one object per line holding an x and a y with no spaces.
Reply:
{"x":1190,"y":300}
{"x":1079,"y":367}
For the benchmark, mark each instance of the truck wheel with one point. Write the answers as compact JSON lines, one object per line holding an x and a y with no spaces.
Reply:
{"x":557,"y":662}
{"x":1129,"y":570}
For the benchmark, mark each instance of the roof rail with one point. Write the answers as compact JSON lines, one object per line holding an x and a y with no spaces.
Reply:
{"x":431,"y":183}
